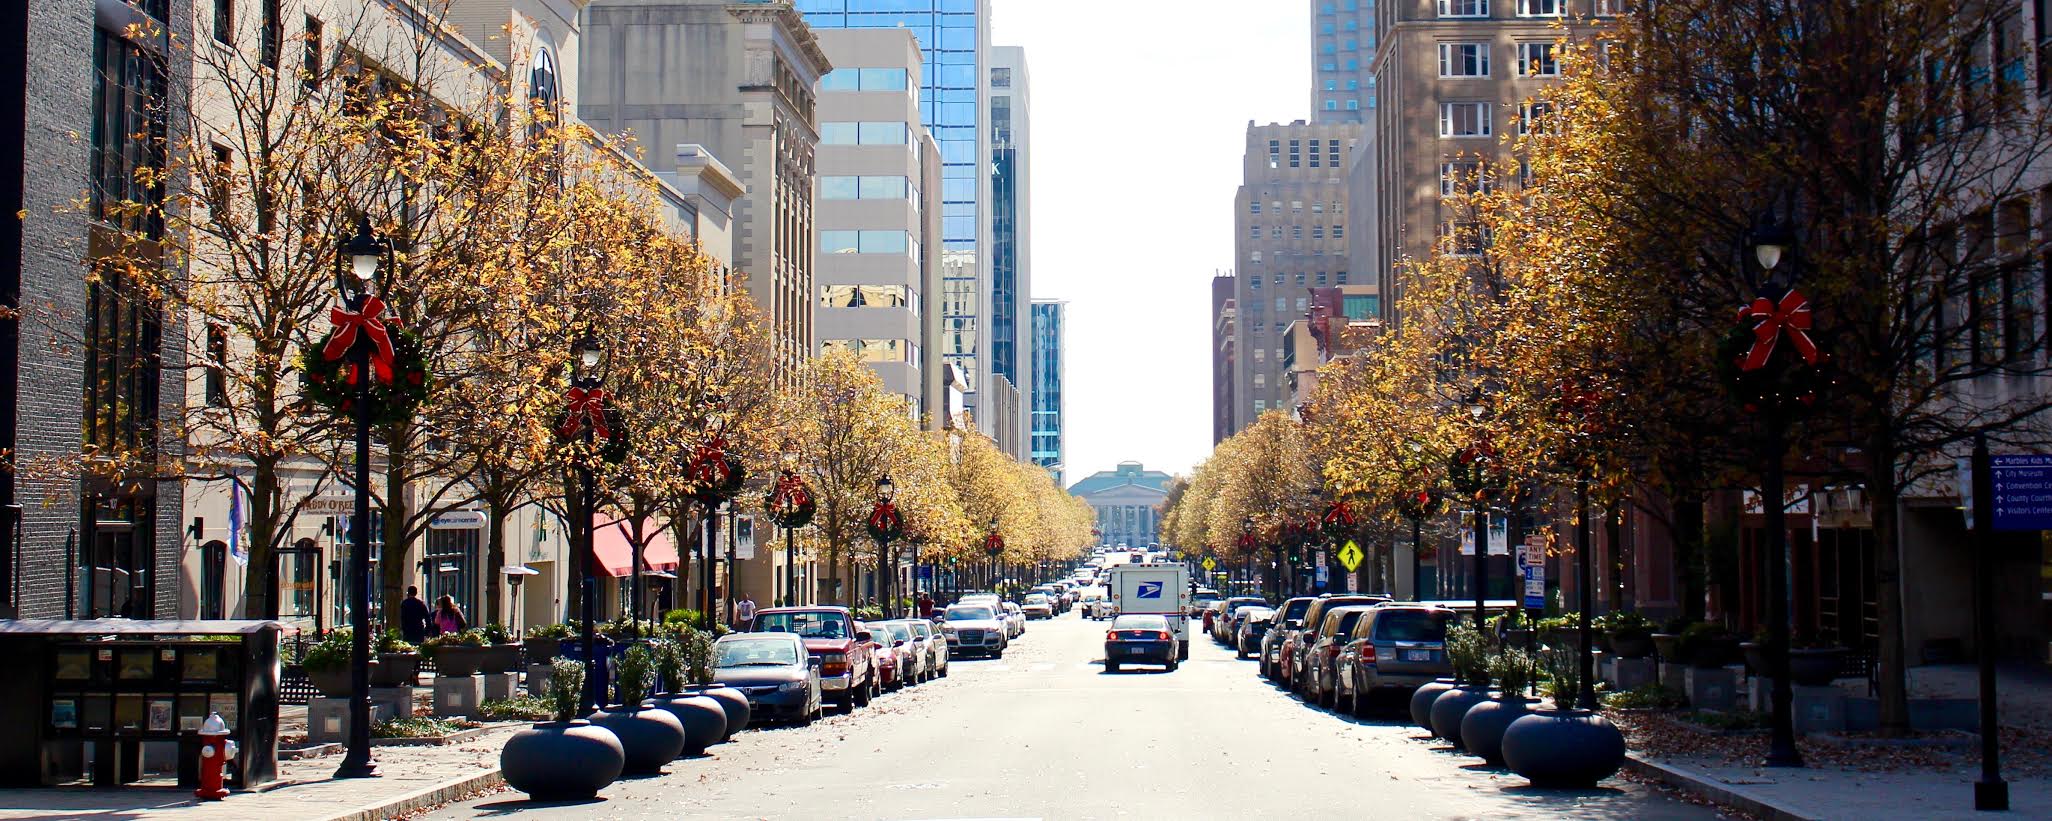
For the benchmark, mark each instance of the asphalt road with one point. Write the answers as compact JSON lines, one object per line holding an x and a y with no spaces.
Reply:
{"x":1046,"y":733}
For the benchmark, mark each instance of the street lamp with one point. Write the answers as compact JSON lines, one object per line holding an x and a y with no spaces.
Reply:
{"x":1477,"y":408}
{"x":886,"y":494}
{"x":1770,"y":241}
{"x":366,"y":253}
{"x":586,"y":418}
{"x":994,"y":545}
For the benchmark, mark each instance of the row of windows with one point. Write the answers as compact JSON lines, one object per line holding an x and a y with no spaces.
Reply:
{"x":1472,"y":60}
{"x":1303,"y":280}
{"x":1315,"y":252}
{"x":1296,"y":232}
{"x":866,"y":296}
{"x":865,"y":133}
{"x":1348,"y":46}
{"x":1477,"y":119}
{"x":877,"y":350}
{"x":1525,"y":8}
{"x":864,"y":79}
{"x":1348,"y":104}
{"x":1296,"y":207}
{"x":1299,"y":152}
{"x":867,"y":242}
{"x":867,"y":188}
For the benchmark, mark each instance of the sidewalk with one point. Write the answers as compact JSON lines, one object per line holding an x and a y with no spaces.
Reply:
{"x":412,"y":778}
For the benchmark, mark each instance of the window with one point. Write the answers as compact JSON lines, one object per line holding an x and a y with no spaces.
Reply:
{"x":1300,"y":277}
{"x":1314,"y":153}
{"x":1318,"y":232}
{"x":1537,"y":60}
{"x":1317,"y":207}
{"x":1253,"y":232}
{"x":864,"y":296}
{"x":1540,"y":8}
{"x":864,"y":79}
{"x":1464,"y":119}
{"x":1254,"y":206}
{"x":310,"y":79}
{"x":882,"y":134}
{"x":864,"y":242}
{"x":1282,"y":303}
{"x":1463,"y":239}
{"x":1353,"y":105}
{"x":273,"y":42}
{"x":1296,"y":232}
{"x":2007,"y":56}
{"x":217,"y":366}
{"x":1261,"y":380}
{"x":1332,"y":153}
{"x":1254,"y":283}
{"x":1001,"y":77}
{"x":1274,"y":153}
{"x":1296,"y":153}
{"x":1340,"y":278}
{"x":1296,"y":206}
{"x":1462,"y":177}
{"x":865,"y":188}
{"x":128,"y":133}
{"x":1463,"y":59}
{"x":1609,"y":8}
{"x":872,"y":350}
{"x":1339,"y":232}
{"x":1532,"y":117}
{"x":224,"y":22}
{"x":1464,"y":8}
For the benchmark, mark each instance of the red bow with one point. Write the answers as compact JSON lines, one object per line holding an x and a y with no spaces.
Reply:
{"x":371,"y":322}
{"x":1791,"y":315}
{"x":709,"y":465}
{"x":885,"y":519}
{"x":1339,"y":515}
{"x":791,"y":493}
{"x":585,"y":405}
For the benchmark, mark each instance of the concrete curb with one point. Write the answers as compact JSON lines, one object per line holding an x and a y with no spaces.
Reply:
{"x":425,"y":798}
{"x":1707,"y":787}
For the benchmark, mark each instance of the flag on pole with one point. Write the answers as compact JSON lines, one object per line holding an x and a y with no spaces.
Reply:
{"x":236,"y":547}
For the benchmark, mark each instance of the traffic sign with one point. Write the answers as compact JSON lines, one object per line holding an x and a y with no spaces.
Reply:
{"x":1210,"y":563}
{"x":1532,"y":563}
{"x":1350,"y":556}
{"x":2023,"y":492}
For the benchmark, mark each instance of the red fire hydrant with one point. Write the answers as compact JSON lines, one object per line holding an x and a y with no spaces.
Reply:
{"x":215,"y":750}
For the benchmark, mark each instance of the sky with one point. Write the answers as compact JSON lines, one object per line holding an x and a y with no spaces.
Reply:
{"x":1139,"y":119}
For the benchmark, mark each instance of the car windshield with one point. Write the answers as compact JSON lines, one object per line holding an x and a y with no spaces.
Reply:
{"x":1296,"y":608}
{"x":1412,"y":625}
{"x":1140,"y":622}
{"x":900,"y":632}
{"x":1036,"y":599}
{"x":971,"y":612}
{"x":815,"y":624}
{"x":756,"y":653}
{"x":921,"y":629}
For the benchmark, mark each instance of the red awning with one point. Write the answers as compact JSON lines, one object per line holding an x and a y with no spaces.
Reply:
{"x":609,"y":540}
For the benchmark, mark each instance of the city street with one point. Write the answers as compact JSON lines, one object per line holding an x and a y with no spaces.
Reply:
{"x":1045,"y":733}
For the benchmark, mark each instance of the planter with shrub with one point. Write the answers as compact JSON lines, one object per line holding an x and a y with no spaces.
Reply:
{"x":1483,"y":726}
{"x":1468,"y":651}
{"x":544,"y":642}
{"x":456,"y":654}
{"x":567,"y":759}
{"x":326,"y":663}
{"x":1563,"y":747}
{"x":704,"y":717}
{"x":502,"y":653}
{"x":651,"y":737}
{"x":398,"y":662}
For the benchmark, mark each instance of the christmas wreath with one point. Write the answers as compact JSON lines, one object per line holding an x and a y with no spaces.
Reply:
{"x":398,"y":385}
{"x":884,"y":522}
{"x":790,"y":502}
{"x":718,"y":477}
{"x":1338,"y":522}
{"x":1476,"y":471}
{"x":1418,"y":505}
{"x":1769,"y":362}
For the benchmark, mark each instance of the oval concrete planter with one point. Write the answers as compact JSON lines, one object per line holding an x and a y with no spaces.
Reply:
{"x":396,"y":670}
{"x":1421,"y":702}
{"x":733,"y":701}
{"x":1563,"y":748}
{"x":331,"y":683}
{"x":1451,"y":707}
{"x":458,"y":659}
{"x":500,"y":658}
{"x":704,"y":719}
{"x":562,"y":760}
{"x":1482,"y":728}
{"x":651,"y":737}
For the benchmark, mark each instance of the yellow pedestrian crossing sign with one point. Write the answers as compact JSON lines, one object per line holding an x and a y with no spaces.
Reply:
{"x":1350,"y":556}
{"x":1210,"y":564}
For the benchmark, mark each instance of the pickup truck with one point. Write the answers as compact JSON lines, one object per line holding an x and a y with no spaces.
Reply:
{"x":838,"y":647}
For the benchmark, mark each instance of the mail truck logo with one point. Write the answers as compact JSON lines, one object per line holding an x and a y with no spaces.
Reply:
{"x":1150,"y":590}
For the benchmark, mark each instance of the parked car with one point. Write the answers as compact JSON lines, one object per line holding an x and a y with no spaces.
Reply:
{"x":847,"y":673}
{"x":1228,"y":609}
{"x":1015,"y":620}
{"x":774,"y":671}
{"x":911,"y":657}
{"x":1321,"y":660}
{"x":933,"y":645}
{"x":1288,"y":617}
{"x":1300,"y":638}
{"x":889,"y":669}
{"x":1142,"y":638}
{"x":1038,"y":606}
{"x":1250,"y":624}
{"x":1395,"y":649}
{"x":977,"y":628}
{"x":1202,"y":598}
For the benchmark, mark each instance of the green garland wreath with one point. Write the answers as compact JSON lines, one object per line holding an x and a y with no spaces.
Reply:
{"x":331,"y":384}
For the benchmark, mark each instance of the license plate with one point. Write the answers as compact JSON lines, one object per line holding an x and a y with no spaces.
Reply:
{"x":1417,"y":655}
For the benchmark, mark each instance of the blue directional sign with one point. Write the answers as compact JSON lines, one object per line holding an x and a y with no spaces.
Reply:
{"x":2023,"y":492}
{"x":1150,"y":590}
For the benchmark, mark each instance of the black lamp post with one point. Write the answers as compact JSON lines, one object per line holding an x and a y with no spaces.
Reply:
{"x":587,"y":397}
{"x":886,"y":493}
{"x":994,"y":545}
{"x":1770,"y":241}
{"x":365,"y":253}
{"x":1476,"y":410}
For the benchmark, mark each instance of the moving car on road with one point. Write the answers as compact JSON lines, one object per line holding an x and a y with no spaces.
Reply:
{"x":774,"y":671}
{"x":1395,"y":649}
{"x":1143,"y":638}
{"x":846,"y":673}
{"x":1201,"y":598}
{"x":1092,"y":600}
{"x":1157,"y":589}
{"x":975,"y":628}
{"x":1038,"y":606}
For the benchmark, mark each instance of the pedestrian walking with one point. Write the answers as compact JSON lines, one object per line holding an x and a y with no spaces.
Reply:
{"x":413,"y":617}
{"x":925,"y":606}
{"x":448,"y":617}
{"x":744,"y":613}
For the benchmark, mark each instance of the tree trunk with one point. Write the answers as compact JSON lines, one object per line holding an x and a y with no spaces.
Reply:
{"x":1620,"y":567}
{"x":572,"y":571}
{"x":495,"y":558}
{"x":395,"y":560}
{"x":1689,"y":554}
{"x":1893,"y":658}
{"x":259,"y":577}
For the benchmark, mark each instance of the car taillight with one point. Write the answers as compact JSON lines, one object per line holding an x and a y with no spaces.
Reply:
{"x":1162,"y":635}
{"x":833,"y":664}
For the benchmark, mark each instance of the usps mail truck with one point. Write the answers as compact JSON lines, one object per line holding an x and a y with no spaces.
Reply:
{"x":1161,"y":589}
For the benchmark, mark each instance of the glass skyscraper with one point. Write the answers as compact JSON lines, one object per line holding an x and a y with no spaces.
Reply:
{"x":951,"y":37}
{"x":1049,"y":316}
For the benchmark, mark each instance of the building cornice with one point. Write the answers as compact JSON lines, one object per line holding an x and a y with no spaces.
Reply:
{"x":783,"y":14}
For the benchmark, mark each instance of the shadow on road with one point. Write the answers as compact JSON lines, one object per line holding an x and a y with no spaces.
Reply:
{"x":515,"y":805}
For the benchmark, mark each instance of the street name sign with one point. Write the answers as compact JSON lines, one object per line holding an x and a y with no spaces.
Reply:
{"x":2023,"y":492}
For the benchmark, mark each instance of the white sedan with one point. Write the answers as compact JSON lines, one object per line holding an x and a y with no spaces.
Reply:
{"x":1038,"y":606}
{"x":1015,"y":621}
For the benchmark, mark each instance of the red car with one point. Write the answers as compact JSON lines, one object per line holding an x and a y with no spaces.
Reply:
{"x":883,"y":654}
{"x":848,"y":673}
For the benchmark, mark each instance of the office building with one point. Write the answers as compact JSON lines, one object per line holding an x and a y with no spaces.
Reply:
{"x":1454,"y":78}
{"x":1342,"y":320}
{"x":877,"y":215}
{"x":1050,"y":317}
{"x":1224,"y":311}
{"x":1343,"y":39}
{"x":737,"y":79}
{"x":1128,"y":502}
{"x":1290,"y":218}
{"x":952,"y":37}
{"x":1010,"y":251}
